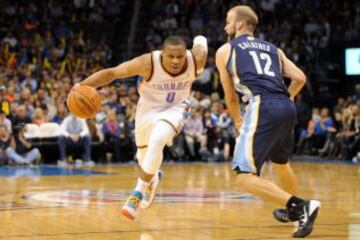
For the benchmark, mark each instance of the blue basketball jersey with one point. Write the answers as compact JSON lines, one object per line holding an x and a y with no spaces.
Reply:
{"x":255,"y":67}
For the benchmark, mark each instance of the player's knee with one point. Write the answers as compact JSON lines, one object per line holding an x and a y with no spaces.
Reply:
{"x":140,"y":155}
{"x":158,"y":140}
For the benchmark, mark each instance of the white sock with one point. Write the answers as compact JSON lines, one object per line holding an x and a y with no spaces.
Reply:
{"x":141,"y":185}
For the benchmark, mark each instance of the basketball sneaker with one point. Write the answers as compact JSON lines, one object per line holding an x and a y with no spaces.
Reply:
{"x":149,"y":195}
{"x":131,"y":205}
{"x":282,"y":215}
{"x":307,"y":214}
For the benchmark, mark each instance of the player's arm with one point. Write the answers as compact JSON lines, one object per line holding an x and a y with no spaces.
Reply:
{"x":200,"y":51}
{"x":140,"y":66}
{"x":290,"y":70}
{"x":231,"y":97}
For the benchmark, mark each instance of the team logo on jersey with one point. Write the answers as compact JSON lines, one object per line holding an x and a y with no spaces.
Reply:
{"x":100,"y":197}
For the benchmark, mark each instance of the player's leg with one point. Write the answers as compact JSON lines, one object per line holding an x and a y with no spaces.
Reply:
{"x":280,"y":159}
{"x":305,"y":211}
{"x":150,"y":160}
{"x":147,"y":183}
{"x":280,"y":156}
{"x":162,"y":134}
{"x":298,"y":209}
{"x":258,"y":136}
{"x":286,"y":177}
{"x":289,"y":183}
{"x":256,"y":139}
{"x":263,"y":188}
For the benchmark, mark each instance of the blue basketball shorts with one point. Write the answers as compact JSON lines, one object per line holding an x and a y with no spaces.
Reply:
{"x":266,"y":134}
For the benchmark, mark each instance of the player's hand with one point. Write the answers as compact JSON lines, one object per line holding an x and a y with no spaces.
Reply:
{"x":76,"y":86}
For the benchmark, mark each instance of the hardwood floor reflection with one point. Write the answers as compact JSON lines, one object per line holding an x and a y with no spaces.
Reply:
{"x":195,"y":201}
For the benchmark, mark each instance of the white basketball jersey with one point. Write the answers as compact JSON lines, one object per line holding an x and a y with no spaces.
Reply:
{"x":164,"y":90}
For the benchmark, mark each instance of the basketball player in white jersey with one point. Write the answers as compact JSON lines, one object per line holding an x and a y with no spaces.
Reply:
{"x":167,"y":76}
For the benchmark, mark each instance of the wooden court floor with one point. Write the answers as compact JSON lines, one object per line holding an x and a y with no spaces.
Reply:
{"x":195,"y":201}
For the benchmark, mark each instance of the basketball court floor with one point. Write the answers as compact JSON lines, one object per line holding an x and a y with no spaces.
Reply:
{"x":195,"y":201}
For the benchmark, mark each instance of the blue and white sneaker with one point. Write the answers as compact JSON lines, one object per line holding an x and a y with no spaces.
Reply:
{"x":148,"y":196}
{"x":132,"y":204}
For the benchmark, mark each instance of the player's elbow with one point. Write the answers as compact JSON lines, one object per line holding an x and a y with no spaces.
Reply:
{"x":301,"y":78}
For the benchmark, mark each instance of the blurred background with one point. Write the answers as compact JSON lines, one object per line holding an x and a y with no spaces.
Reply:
{"x":48,"y":45}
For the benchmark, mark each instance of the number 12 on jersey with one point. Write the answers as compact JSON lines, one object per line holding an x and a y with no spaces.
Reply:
{"x":262,"y":70}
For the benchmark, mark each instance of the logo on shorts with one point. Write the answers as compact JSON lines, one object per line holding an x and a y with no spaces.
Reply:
{"x":99,"y":197}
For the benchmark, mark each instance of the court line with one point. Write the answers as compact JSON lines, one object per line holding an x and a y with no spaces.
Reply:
{"x":313,"y":236}
{"x":27,"y":208}
{"x":176,"y":229}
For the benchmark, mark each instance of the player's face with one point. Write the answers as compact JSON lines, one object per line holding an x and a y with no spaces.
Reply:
{"x":230,"y":28}
{"x":173,"y":58}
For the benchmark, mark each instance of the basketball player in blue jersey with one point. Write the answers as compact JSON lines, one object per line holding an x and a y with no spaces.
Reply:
{"x":255,"y":68}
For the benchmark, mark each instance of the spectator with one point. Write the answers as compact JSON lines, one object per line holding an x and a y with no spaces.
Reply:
{"x":331,"y":145}
{"x":20,"y":150}
{"x":113,"y":103}
{"x":115,"y":136}
{"x":21,"y":116}
{"x":4,"y":121}
{"x":350,"y":139}
{"x":306,"y":140}
{"x":60,"y":114}
{"x":39,"y":117}
{"x":30,"y":82}
{"x":212,"y":152}
{"x":4,"y":103}
{"x":323,"y":128}
{"x":5,"y":141}
{"x":339,"y":105}
{"x":74,"y":131}
{"x":194,"y":132}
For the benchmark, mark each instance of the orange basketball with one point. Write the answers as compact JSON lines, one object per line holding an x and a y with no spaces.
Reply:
{"x":84,"y":101}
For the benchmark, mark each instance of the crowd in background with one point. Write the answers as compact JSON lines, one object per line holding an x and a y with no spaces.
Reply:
{"x":332,"y":133}
{"x":45,"y":49}
{"x":303,"y":34}
{"x":302,"y":28}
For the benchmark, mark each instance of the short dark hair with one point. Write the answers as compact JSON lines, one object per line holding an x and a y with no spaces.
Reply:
{"x":174,"y":40}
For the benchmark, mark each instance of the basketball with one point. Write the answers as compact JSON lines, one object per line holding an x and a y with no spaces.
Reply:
{"x":84,"y":101}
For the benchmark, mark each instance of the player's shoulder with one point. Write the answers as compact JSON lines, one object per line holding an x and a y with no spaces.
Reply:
{"x":145,"y":58}
{"x":223,"y":53}
{"x":145,"y":65}
{"x":224,"y":49}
